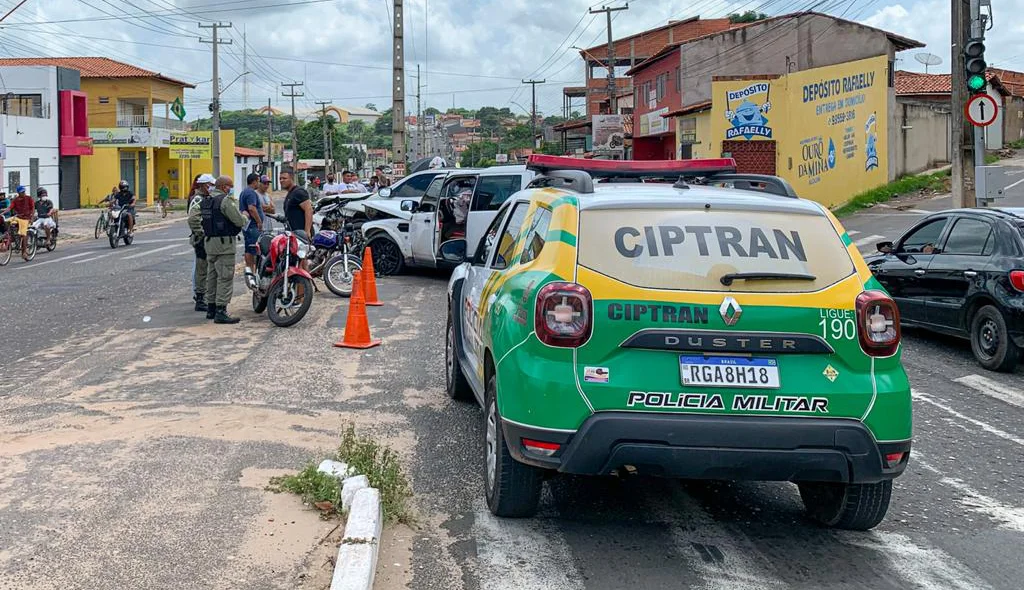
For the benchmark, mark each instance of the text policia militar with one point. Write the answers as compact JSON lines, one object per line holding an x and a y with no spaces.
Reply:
{"x":740,"y":403}
{"x":662,"y":240}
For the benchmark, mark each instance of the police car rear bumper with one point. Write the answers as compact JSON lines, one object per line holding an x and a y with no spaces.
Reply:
{"x":714,"y":447}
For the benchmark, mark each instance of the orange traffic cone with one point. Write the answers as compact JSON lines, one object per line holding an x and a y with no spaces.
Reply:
{"x":369,"y":280}
{"x":357,"y":327}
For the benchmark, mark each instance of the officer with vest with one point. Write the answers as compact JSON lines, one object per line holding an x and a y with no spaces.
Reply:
{"x":200,"y":189}
{"x":222,"y":222}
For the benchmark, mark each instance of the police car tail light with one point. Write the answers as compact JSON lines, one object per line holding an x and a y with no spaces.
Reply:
{"x":539,"y":447}
{"x":893,"y":459}
{"x":878,"y":321}
{"x":1017,"y":279}
{"x":564,"y":315}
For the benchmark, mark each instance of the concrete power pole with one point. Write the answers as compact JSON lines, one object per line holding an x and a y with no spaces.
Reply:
{"x":420,"y":149}
{"x":398,"y":89}
{"x":328,"y":165}
{"x":215,"y":105}
{"x":295,"y":144}
{"x":613,"y":102}
{"x":533,"y":110}
{"x":245,"y":70}
{"x":977,"y":31}
{"x":963,"y":150}
{"x":270,"y":135}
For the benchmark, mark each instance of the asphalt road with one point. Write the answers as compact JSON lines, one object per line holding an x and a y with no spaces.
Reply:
{"x":133,"y":454}
{"x":888,"y":221}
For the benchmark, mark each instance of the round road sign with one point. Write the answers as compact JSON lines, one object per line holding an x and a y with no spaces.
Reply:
{"x":981,"y":110}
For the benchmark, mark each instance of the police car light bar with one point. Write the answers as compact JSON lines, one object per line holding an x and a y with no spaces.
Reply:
{"x":632,"y":168}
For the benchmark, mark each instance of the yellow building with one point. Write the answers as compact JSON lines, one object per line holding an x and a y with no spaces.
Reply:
{"x":135,"y":135}
{"x":825,"y":130}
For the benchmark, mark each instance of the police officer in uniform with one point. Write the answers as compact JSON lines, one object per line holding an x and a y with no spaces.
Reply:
{"x":222,"y":222}
{"x":195,"y":223}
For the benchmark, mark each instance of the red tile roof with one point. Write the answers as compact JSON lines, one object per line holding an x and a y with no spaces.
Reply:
{"x":1013,"y":81}
{"x":916,"y":84}
{"x":93,"y":67}
{"x":687,"y":110}
{"x":248,"y":152}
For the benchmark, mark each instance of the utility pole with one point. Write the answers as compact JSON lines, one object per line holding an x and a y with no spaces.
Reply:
{"x":419,"y":116}
{"x":398,"y":88}
{"x":215,"y":105}
{"x":245,"y":70}
{"x":295,"y":145}
{"x":963,"y":150}
{"x":977,"y":32}
{"x":328,"y":166}
{"x":613,"y":102}
{"x":533,"y":110}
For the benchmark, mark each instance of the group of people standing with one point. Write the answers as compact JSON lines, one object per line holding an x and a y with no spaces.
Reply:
{"x":216,"y":217}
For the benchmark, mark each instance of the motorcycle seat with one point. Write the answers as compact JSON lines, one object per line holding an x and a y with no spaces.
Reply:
{"x":264,"y":243}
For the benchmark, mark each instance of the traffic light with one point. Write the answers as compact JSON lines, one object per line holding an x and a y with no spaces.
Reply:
{"x":974,"y":63}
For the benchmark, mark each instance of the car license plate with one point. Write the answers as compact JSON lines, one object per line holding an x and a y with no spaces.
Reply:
{"x":729,"y":371}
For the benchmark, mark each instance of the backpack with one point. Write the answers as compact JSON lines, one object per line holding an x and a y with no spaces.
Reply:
{"x":215,"y":224}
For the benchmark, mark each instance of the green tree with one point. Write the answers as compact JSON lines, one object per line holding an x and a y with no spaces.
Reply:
{"x":371,"y":106}
{"x":749,"y":16}
{"x":383,"y":125}
{"x":431,"y":111}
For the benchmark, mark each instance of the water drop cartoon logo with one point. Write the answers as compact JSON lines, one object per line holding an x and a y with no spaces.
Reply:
{"x":748,"y":120}
{"x":831,"y":154}
{"x":871,"y":143}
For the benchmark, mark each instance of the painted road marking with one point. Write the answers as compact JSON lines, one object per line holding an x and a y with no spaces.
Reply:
{"x":1004,"y":515}
{"x":1013,"y":185}
{"x":924,"y":397}
{"x":993,"y":389}
{"x":38,"y":264}
{"x":162,"y":241}
{"x":183,"y":252}
{"x":147,"y":253}
{"x":527,"y":554}
{"x":868,"y":240}
{"x":91,"y":259}
{"x":928,"y":568}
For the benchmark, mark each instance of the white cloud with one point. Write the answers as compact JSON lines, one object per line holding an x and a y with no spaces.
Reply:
{"x":495,"y":42}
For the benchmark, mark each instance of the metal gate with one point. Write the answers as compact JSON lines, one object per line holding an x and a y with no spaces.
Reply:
{"x":143,"y":191}
{"x":752,"y":157}
{"x":128,"y":168}
{"x":70,"y":180}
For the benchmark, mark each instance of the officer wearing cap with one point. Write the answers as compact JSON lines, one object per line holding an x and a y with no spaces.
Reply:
{"x":222,"y":222}
{"x":200,"y":189}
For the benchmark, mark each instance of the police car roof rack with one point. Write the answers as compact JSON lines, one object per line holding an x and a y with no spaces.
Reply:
{"x":578,"y":174}
{"x":762,"y":183}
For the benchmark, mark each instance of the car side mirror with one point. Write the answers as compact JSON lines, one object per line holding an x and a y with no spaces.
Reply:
{"x":409,"y":206}
{"x":884,"y":247}
{"x":384,"y":193}
{"x":454,"y":251}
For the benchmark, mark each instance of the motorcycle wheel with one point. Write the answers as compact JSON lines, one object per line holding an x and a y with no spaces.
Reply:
{"x":5,"y":254}
{"x":283,"y":315}
{"x":128,"y":239}
{"x":337,"y":278}
{"x":113,"y":239}
{"x":259,"y":304}
{"x":31,"y":251}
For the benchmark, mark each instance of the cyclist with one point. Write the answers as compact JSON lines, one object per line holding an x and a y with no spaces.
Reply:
{"x":45,"y":213}
{"x":126,"y":199}
{"x":23,"y":207}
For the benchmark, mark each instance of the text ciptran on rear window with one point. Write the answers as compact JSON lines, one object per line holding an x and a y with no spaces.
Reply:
{"x":705,"y":240}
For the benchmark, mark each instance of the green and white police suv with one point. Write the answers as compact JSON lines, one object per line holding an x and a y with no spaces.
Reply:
{"x":708,"y":326}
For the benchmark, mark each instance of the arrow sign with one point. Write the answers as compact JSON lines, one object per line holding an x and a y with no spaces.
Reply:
{"x":178,"y":109}
{"x":981,"y":110}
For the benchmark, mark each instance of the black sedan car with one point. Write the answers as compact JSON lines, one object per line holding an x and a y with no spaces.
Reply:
{"x":961,"y":272}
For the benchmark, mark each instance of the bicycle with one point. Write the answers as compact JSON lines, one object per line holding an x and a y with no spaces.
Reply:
{"x":102,"y":223}
{"x":6,"y":243}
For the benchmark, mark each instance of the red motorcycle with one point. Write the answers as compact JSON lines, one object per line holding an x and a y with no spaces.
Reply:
{"x":280,"y":285}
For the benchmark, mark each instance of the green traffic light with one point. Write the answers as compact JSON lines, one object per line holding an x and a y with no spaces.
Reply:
{"x":976,"y":83}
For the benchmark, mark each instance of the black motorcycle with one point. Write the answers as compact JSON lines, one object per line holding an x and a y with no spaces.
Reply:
{"x":117,"y":230}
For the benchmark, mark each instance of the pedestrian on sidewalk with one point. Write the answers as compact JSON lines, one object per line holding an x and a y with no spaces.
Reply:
{"x":266,"y":202}
{"x":165,"y":198}
{"x":249,"y":203}
{"x":222,"y":222}
{"x":200,"y":188}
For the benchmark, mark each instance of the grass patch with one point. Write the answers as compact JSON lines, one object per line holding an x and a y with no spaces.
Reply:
{"x":991,"y":158}
{"x":364,"y":456}
{"x":935,"y":182}
{"x":1017,"y":145}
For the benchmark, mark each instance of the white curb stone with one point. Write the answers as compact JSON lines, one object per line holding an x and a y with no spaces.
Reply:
{"x":349,"y":487}
{"x":357,"y":555}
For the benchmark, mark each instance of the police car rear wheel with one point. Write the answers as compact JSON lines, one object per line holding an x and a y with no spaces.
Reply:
{"x":455,"y":382}
{"x":513,"y":489}
{"x":856,"y":507}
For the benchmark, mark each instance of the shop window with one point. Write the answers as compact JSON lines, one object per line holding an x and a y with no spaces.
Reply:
{"x":24,"y":105}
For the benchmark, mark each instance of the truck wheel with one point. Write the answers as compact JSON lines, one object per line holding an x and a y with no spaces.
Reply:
{"x":513,"y":489}
{"x":455,"y":381}
{"x":990,"y":341}
{"x":855,"y":507}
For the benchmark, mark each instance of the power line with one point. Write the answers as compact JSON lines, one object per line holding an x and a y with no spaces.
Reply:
{"x":206,"y":10}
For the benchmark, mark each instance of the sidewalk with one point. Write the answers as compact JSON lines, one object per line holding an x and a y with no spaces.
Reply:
{"x":80,"y":224}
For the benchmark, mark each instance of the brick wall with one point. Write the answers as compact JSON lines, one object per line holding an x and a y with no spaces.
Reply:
{"x":752,"y":157}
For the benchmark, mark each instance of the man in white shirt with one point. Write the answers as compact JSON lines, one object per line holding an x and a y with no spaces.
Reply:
{"x":352,"y":184}
{"x":332,"y":187}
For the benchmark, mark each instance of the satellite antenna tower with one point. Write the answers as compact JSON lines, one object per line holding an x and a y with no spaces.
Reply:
{"x":928,"y":59}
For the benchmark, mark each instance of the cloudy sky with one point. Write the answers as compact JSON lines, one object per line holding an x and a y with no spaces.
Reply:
{"x":471,"y":52}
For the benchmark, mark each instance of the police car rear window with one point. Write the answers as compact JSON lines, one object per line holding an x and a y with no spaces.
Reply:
{"x":694,"y":249}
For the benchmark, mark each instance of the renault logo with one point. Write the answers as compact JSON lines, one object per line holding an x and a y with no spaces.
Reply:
{"x":730,"y":311}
